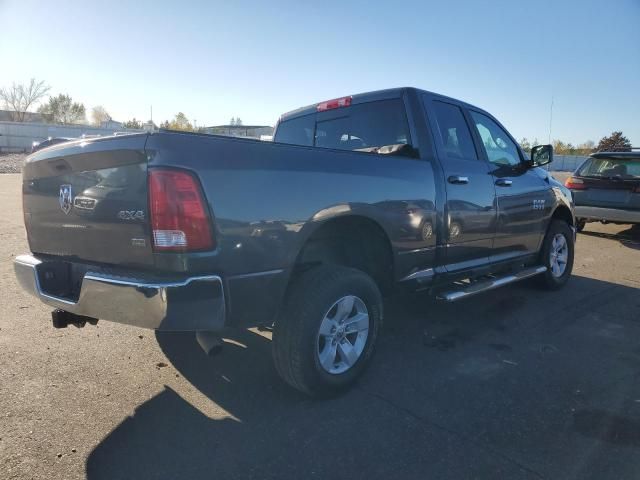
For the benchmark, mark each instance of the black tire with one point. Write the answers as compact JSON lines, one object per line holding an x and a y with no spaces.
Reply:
{"x":295,"y":335}
{"x":548,"y":280}
{"x":580,"y":223}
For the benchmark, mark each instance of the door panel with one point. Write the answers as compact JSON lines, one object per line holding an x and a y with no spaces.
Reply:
{"x":470,"y":208}
{"x":523,"y":196}
{"x":522,"y":209}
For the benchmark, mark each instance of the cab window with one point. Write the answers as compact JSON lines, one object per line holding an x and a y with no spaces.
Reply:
{"x":374,"y":127}
{"x":500,"y":149}
{"x":297,"y":131}
{"x":454,"y":131}
{"x":377,"y":127}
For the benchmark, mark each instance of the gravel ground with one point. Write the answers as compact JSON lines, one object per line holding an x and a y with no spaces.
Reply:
{"x":518,"y":383}
{"x":11,"y":162}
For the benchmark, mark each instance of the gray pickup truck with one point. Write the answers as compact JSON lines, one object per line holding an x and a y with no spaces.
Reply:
{"x":356,"y":197}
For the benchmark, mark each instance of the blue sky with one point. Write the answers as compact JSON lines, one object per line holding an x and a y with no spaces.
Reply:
{"x":255,"y":60}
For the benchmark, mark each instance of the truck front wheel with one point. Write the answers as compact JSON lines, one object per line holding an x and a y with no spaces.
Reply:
{"x":326,"y":333}
{"x":557,"y":255}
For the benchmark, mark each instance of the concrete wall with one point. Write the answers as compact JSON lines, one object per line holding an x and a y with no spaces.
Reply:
{"x":18,"y":137}
{"x":565,"y":163}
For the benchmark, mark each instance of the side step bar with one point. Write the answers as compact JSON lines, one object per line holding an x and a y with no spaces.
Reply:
{"x":490,"y":284}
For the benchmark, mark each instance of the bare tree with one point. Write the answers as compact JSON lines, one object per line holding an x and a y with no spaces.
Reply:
{"x":20,"y":97}
{"x":99,"y":115}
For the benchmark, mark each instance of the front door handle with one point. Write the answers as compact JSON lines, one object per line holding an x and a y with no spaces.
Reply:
{"x":504,"y":182}
{"x":458,"y":180}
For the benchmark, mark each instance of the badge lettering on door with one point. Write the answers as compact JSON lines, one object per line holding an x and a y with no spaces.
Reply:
{"x":538,"y":204}
{"x":131,"y":215}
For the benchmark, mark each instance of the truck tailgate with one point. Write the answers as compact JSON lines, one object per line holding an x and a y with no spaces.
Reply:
{"x":87,"y":201}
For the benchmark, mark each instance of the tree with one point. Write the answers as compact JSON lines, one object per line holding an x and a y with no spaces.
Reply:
{"x":559,"y":147}
{"x":179,"y":122}
{"x":585,"y":148}
{"x":64,"y":110}
{"x":133,"y":123}
{"x":99,"y":115}
{"x":562,"y":148}
{"x":238,"y":122}
{"x":524,"y":144}
{"x":20,"y":97}
{"x":616,"y":142}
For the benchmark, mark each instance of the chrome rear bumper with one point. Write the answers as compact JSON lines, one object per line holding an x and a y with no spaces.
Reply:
{"x":189,"y":304}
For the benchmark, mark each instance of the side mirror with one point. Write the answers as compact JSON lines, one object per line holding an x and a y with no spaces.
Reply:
{"x":541,"y":155}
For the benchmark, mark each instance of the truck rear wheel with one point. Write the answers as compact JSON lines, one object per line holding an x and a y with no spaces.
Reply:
{"x":326,"y":334}
{"x":557,"y":255}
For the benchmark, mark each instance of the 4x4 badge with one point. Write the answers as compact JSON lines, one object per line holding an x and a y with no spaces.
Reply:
{"x":66,"y":198}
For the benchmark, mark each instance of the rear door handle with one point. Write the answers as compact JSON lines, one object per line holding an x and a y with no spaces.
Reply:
{"x":504,"y":182}
{"x":458,"y":180}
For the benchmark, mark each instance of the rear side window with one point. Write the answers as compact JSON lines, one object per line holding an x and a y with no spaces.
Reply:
{"x":454,"y":131}
{"x":376,"y":127}
{"x":298,"y":131}
{"x":379,"y":127}
{"x":611,"y":167}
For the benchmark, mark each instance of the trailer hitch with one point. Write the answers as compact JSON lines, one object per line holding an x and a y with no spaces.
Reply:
{"x":62,"y":319}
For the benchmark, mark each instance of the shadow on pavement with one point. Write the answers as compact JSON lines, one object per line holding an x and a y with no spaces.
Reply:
{"x":629,"y":237}
{"x":481,"y":389}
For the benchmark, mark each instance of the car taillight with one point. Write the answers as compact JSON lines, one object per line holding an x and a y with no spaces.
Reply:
{"x":179,"y":217}
{"x":575,"y":184}
{"x":335,"y":103}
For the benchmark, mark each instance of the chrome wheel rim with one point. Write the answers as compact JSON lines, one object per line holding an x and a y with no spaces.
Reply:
{"x":558,"y":255}
{"x":343,"y":335}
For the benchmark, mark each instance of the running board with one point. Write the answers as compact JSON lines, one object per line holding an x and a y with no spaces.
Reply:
{"x":490,"y":284}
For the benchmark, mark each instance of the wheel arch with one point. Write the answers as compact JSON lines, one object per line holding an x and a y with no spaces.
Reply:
{"x":564,"y":213}
{"x":353,"y":240}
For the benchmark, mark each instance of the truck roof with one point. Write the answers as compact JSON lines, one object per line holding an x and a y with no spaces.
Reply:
{"x":366,"y":97}
{"x":618,"y":155}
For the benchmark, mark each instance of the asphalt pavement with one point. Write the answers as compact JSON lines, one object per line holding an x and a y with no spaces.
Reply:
{"x":518,"y":383}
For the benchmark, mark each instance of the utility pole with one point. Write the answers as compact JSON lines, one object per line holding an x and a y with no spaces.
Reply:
{"x":151,"y":112}
{"x":550,"y":118}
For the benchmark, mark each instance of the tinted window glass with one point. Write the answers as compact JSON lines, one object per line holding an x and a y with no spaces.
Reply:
{"x":454,"y":131}
{"x":611,"y":167}
{"x":500,"y":149}
{"x":298,"y":131}
{"x":367,"y":127}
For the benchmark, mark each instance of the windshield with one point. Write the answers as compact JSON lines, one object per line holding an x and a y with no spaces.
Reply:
{"x":611,"y":167}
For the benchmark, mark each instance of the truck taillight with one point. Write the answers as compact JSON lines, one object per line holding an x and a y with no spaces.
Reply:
{"x":179,"y":217}
{"x":575,"y":184}
{"x":335,"y":103}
